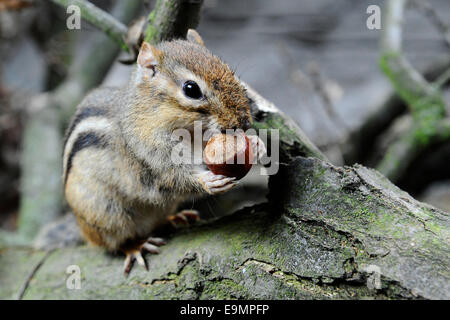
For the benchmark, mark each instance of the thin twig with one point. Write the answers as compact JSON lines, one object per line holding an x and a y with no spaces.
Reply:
{"x":319,"y":84}
{"x":30,"y":276}
{"x":431,"y":13}
{"x":112,"y":27}
{"x":442,"y":80}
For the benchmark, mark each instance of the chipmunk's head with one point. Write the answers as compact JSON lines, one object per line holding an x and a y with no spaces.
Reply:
{"x":184,"y":82}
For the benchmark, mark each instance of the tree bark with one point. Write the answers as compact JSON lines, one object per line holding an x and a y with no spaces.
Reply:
{"x":172,"y":19}
{"x":326,"y":233}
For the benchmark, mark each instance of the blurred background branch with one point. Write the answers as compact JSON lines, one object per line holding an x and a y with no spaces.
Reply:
{"x":430,"y":12}
{"x":425,"y":101}
{"x":111,"y":26}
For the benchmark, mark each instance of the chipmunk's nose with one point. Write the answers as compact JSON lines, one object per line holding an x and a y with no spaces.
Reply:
{"x":245,"y":124}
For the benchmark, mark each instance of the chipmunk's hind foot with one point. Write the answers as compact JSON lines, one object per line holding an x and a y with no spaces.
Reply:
{"x":185,"y":217}
{"x":150,"y":245}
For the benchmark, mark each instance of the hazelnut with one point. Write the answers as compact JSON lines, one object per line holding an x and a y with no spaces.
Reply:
{"x":229,"y":155}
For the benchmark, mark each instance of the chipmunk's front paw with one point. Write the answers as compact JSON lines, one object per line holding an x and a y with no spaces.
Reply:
{"x":258,"y":147}
{"x":215,"y":184}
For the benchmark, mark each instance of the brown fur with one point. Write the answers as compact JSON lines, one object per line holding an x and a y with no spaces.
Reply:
{"x":233,"y":109}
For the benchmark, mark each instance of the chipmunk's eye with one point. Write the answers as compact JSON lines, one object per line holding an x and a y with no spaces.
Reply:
{"x":192,"y":90}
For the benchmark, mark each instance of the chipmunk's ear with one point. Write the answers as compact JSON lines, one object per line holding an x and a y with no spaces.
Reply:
{"x":149,"y":56}
{"x":194,"y":37}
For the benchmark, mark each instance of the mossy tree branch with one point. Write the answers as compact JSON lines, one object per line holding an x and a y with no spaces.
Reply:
{"x":171,"y":19}
{"x":329,"y":233}
{"x":423,"y":99}
{"x":293,"y":141}
{"x":360,"y":145}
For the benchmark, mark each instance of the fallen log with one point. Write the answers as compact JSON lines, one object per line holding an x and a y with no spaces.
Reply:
{"x":326,"y":233}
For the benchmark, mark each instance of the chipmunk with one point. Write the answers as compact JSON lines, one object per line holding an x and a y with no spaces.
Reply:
{"x":118,"y":175}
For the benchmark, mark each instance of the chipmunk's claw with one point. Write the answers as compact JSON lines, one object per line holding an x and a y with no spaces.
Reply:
{"x":184,"y":217}
{"x":129,"y":260}
{"x":150,"y":245}
{"x":156,"y":241}
{"x":216,"y":184}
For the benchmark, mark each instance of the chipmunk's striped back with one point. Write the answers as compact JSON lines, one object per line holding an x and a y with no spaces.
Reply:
{"x":89,"y":128}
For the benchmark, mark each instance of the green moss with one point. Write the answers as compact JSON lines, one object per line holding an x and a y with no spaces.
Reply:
{"x":275,"y":121}
{"x":152,"y":33}
{"x":430,"y":106}
{"x":427,"y":108}
{"x":223,"y":289}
